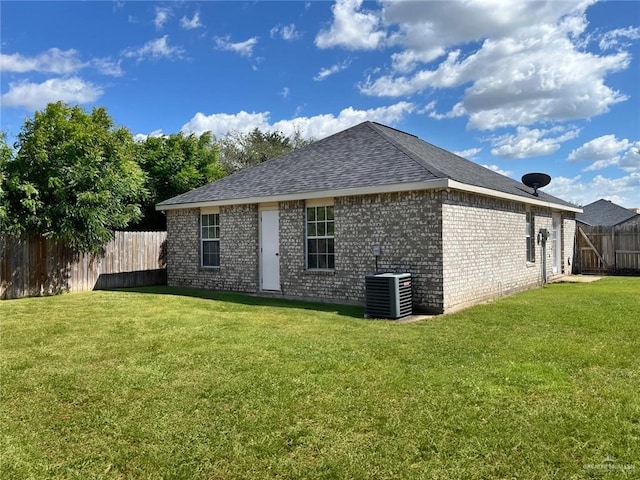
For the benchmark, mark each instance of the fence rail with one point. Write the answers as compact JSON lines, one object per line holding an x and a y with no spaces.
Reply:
{"x":41,"y":266}
{"x":604,"y":250}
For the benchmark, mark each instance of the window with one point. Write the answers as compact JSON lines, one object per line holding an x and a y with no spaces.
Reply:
{"x":320,"y":227}
{"x":530,"y":238}
{"x":210,"y":238}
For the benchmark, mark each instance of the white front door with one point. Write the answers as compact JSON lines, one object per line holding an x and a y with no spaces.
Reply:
{"x":556,"y":243}
{"x":269,"y":250}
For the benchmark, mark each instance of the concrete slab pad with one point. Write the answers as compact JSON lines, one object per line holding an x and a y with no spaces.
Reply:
{"x":578,"y":279}
{"x":415,"y":318}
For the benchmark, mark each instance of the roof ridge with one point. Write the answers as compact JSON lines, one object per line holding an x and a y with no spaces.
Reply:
{"x":429,"y":169}
{"x":396,"y":129}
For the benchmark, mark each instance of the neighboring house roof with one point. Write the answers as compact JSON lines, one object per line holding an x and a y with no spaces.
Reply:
{"x":366,"y":158}
{"x":604,"y":213}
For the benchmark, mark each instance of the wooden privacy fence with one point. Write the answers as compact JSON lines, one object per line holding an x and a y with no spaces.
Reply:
{"x":603,"y":250}
{"x":40,"y":266}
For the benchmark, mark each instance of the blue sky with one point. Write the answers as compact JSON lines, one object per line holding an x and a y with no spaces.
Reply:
{"x":517,"y":86}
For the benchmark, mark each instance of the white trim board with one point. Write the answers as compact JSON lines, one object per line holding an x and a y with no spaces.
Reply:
{"x":437,"y":184}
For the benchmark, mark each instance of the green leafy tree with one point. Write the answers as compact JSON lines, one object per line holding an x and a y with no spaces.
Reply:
{"x":242,"y":150}
{"x":74,"y":177}
{"x":6,"y":155}
{"x":175,"y":164}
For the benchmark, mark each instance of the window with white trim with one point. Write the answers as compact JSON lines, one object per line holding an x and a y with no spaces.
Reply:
{"x":530,"y":237}
{"x":210,"y":239}
{"x":319,"y":236}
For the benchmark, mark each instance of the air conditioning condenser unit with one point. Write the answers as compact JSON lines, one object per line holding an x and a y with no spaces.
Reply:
{"x":388,"y":295}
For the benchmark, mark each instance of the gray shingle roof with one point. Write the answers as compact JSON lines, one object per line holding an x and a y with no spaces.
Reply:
{"x":604,"y":213}
{"x":368,"y":154}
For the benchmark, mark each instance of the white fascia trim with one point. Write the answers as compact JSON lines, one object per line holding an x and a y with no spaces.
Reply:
{"x":344,"y":192}
{"x":509,"y":196}
{"x":439,"y":183}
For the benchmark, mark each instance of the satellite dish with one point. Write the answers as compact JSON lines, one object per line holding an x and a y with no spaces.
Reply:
{"x":536,"y":181}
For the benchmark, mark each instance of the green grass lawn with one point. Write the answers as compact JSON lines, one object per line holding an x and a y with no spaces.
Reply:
{"x":154,"y":384}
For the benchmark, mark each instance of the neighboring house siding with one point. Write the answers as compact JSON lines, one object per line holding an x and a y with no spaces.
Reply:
{"x":406,"y":225}
{"x":238,"y":269}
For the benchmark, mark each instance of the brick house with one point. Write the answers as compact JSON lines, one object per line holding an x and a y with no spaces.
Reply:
{"x":305,"y":224}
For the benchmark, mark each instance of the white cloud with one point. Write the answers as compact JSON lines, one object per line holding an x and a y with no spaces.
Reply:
{"x":316,"y":127}
{"x":243,"y":48}
{"x":427,"y":29}
{"x":600,"y":164}
{"x":285,"y":92}
{"x":299,"y":110}
{"x":518,"y":82}
{"x":406,"y":61}
{"x":191,"y":23}
{"x":428,"y":108}
{"x":601,"y":148}
{"x":623,"y":190}
{"x":607,"y":151}
{"x":287,"y":32}
{"x":630,"y":161}
{"x":35,"y":96}
{"x":141,"y":137}
{"x":469,"y":153}
{"x":457,"y":111}
{"x":352,"y":28}
{"x":154,"y":49}
{"x":53,"y":60}
{"x":497,"y":169}
{"x":619,"y":38}
{"x":328,"y":71}
{"x":531,"y":142}
{"x":108,"y":67}
{"x":57,"y":61}
{"x":520,"y":63}
{"x":222,"y":123}
{"x":162,"y":17}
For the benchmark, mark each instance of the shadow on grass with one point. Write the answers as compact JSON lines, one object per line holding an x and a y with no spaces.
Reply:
{"x":244,"y":299}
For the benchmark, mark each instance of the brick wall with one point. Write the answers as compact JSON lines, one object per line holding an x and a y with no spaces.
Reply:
{"x":461,"y":248}
{"x":238,"y":269}
{"x":183,"y":249}
{"x":484,"y":253}
{"x":406,"y":225}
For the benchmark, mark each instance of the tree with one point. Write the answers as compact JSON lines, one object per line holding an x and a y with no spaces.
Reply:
{"x":6,"y":155}
{"x":241,"y":150}
{"x":74,"y":177}
{"x":175,"y":164}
